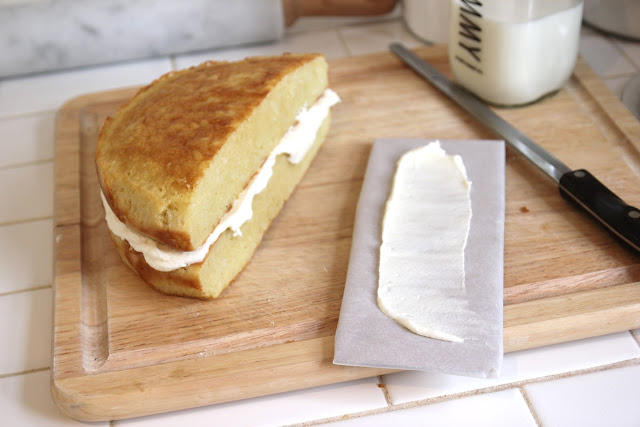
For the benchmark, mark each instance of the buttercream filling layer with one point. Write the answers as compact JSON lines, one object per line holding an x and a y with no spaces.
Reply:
{"x":296,"y":143}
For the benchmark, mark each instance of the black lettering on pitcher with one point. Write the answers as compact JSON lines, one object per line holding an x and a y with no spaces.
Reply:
{"x":471,"y":34}
{"x":468,"y":28}
{"x":473,"y":50}
{"x":471,"y":66}
{"x":469,"y":7}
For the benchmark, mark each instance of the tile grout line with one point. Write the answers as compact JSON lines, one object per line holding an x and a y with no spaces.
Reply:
{"x":475,"y":392}
{"x":547,"y":378}
{"x":343,"y":41}
{"x":25,"y":164}
{"x":372,"y":22}
{"x":24,"y":114}
{"x":321,"y":421}
{"x":385,"y":390}
{"x":616,"y":42}
{"x":532,"y":410}
{"x":22,"y":291}
{"x":618,"y":76}
{"x":25,"y":220}
{"x":635,"y":337}
{"x":28,"y":371}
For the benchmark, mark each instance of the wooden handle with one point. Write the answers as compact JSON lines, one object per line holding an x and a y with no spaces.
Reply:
{"x":294,"y":9}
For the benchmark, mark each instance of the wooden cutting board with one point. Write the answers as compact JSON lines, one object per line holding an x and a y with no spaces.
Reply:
{"x":121,"y":349}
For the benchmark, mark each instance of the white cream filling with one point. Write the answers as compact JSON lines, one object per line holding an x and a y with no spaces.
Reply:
{"x":295,"y":143}
{"x":425,"y":228}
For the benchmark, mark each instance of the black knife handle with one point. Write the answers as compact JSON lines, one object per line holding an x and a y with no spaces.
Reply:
{"x":592,"y":195}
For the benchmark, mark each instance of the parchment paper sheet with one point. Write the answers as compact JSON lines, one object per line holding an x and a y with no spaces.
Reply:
{"x":367,"y":337}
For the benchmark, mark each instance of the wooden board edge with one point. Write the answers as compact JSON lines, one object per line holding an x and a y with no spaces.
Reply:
{"x":77,"y":103}
{"x":202,"y":381}
{"x":611,"y":106}
{"x":597,"y":311}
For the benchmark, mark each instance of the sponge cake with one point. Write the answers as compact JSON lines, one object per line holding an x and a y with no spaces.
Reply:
{"x":180,"y":164}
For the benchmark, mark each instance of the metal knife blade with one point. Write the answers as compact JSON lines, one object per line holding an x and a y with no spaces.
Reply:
{"x":576,"y":185}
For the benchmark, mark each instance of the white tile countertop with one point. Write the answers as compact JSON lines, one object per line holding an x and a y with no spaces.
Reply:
{"x":591,"y":382}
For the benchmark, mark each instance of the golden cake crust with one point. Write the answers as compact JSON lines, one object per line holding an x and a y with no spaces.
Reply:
{"x":155,"y":152}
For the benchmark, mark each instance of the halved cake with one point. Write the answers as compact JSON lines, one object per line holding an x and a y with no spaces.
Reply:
{"x":195,"y":166}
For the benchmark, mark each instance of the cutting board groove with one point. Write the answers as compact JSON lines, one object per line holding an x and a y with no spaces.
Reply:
{"x":121,"y":349}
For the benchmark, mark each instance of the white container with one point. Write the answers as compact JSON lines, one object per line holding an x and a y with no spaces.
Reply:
{"x":513,"y":53}
{"x":427,"y":20}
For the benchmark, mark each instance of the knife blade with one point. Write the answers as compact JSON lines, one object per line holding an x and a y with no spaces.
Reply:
{"x":578,"y":186}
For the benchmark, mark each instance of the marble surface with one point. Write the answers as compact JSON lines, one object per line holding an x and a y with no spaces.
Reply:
{"x":591,"y":382}
{"x":38,"y":36}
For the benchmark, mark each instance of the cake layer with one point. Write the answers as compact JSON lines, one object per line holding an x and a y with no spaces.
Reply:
{"x":173,"y":159}
{"x":230,"y":254}
{"x":295,"y":144}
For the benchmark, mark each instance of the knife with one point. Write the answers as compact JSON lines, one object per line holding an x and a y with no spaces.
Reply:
{"x":575,"y":185}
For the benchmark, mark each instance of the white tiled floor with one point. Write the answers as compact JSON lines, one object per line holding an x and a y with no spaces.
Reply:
{"x":27,"y":139}
{"x":616,"y":84}
{"x":375,"y":38}
{"x":28,"y":192}
{"x":25,"y":333}
{"x":26,"y":261}
{"x":27,"y":107}
{"x":326,"y":42}
{"x":504,"y":408}
{"x":25,"y":401}
{"x":518,"y":366}
{"x":282,"y":409}
{"x":46,"y":92}
{"x":607,"y":398}
{"x":632,"y":50}
{"x":615,"y":61}
{"x":603,"y":55}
